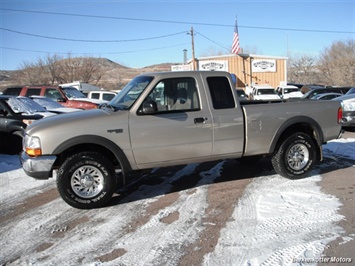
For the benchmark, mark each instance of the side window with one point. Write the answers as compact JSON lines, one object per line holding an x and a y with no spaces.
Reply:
{"x":221,"y":93}
{"x":95,"y":95}
{"x":13,"y":91}
{"x":108,"y":96}
{"x":53,"y":94}
{"x":33,"y":91}
{"x":175,"y":94}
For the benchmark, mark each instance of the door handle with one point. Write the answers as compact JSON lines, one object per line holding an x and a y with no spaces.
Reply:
{"x":199,"y":120}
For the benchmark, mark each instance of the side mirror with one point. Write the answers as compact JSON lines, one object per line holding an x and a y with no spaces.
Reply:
{"x":149,"y":107}
{"x":61,"y":100}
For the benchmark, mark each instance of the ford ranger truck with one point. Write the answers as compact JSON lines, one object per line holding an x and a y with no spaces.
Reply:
{"x":173,"y":118}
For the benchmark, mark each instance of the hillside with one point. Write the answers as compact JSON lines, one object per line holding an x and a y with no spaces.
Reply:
{"x":113,"y":73}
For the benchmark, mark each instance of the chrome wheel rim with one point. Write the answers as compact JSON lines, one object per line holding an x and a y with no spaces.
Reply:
{"x":298,"y":157}
{"x":87,"y":182}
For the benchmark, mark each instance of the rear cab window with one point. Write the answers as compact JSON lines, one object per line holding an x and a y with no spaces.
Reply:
{"x":221,"y":92}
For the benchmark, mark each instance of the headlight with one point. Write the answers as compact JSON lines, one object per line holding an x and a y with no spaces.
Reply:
{"x":28,"y":121}
{"x":32,"y":146}
{"x":348,"y":106}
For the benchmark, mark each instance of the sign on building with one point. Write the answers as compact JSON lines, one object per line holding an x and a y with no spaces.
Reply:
{"x":217,"y":65}
{"x":264,"y":65}
{"x":180,"y":68}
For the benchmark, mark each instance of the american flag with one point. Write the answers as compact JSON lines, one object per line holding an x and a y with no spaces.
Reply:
{"x":235,"y":46}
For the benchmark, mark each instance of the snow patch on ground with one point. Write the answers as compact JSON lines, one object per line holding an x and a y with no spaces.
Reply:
{"x":275,"y":222}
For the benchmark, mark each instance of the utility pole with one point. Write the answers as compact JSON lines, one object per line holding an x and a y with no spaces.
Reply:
{"x":193,"y":49}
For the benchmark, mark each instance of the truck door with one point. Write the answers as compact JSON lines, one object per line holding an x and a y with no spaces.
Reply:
{"x":180,"y":130}
{"x":228,"y":120}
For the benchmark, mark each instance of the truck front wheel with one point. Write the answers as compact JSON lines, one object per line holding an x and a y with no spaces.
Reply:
{"x":86,"y":180}
{"x":295,"y":156}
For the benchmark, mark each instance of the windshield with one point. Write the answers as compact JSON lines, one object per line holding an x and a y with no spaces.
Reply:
{"x":351,"y":91}
{"x":71,"y":92}
{"x":25,"y":105}
{"x":289,"y":90}
{"x":47,"y":103}
{"x":129,"y":94}
{"x":265,"y":91}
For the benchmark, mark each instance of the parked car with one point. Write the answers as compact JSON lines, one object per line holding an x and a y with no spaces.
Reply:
{"x":23,"y":104}
{"x":242,"y":95}
{"x":289,"y":91}
{"x":317,"y":91}
{"x":264,"y":92}
{"x":308,"y":87}
{"x":15,"y":114}
{"x":100,"y":95}
{"x":348,"y":105}
{"x":326,"y":96}
{"x":351,"y":91}
{"x":68,"y":97}
{"x":298,"y":85}
{"x":52,"y":105}
{"x":344,"y":90}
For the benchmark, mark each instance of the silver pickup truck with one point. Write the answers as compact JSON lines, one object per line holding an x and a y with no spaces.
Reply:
{"x":171,"y":118}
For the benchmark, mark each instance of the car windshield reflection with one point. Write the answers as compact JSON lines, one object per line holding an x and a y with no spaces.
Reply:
{"x":130,"y":93}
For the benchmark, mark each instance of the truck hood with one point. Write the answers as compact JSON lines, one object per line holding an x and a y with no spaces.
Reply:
{"x":266,"y":97}
{"x":96,"y":101}
{"x":75,"y":120}
{"x":296,"y":94}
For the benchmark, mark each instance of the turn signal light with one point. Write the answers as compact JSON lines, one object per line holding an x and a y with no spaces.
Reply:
{"x":34,"y":152}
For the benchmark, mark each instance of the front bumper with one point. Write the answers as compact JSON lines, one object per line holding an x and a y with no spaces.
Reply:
{"x":37,"y":167}
{"x":348,"y":119}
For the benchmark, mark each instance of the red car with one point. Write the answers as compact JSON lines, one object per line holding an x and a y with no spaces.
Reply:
{"x":68,"y":97}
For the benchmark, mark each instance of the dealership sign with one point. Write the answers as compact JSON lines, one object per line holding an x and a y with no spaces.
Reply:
{"x":180,"y":68}
{"x":213,"y":65}
{"x":264,"y":65}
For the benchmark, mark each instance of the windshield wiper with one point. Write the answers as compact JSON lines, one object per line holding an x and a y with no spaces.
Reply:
{"x":108,"y":106}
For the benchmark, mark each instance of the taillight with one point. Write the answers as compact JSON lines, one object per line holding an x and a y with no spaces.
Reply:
{"x":340,"y":115}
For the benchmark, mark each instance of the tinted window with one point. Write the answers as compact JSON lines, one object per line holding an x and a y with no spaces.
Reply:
{"x":12,"y":91}
{"x":95,"y":95}
{"x":108,"y":97}
{"x":33,"y":91}
{"x":221,"y":92}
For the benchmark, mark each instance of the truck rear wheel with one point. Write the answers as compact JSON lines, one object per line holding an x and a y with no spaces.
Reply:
{"x":295,"y":157}
{"x":86,"y":180}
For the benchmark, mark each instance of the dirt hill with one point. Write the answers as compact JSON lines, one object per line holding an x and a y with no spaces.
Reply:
{"x":112,"y":72}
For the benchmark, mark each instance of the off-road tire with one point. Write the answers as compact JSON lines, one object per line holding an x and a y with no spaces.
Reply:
{"x":295,"y":157}
{"x":86,"y":180}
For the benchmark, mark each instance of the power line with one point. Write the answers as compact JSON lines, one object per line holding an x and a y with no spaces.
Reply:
{"x":176,"y":22}
{"x":199,"y":33}
{"x":121,"y":52}
{"x":81,"y":40}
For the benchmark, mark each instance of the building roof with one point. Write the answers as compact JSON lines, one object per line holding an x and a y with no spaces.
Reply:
{"x":241,"y":55}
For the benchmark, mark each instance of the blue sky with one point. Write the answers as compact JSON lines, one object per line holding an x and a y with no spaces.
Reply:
{"x":143,"y":33}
